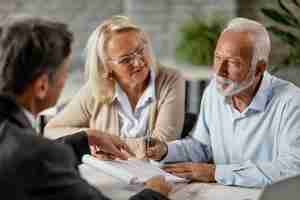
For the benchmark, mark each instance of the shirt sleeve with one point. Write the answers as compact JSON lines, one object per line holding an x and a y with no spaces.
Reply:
{"x":149,"y":195}
{"x":286,"y":159}
{"x":197,"y":146}
{"x":78,"y":143}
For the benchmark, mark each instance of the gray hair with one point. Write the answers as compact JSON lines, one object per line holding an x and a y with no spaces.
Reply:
{"x":259,"y":35}
{"x":96,"y":70}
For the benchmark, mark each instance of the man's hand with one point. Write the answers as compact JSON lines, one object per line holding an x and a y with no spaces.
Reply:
{"x":194,"y":171}
{"x":157,"y":149}
{"x":159,"y":184}
{"x":108,"y":145}
{"x":102,"y":155}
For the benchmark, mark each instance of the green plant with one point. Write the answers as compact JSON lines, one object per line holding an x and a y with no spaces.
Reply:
{"x":196,"y":42}
{"x":287,"y":28}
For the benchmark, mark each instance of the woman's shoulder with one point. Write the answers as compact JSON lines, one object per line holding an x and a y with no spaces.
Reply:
{"x":167,"y":73}
{"x":84,"y":96}
{"x":85,"y":92}
{"x":168,"y":78}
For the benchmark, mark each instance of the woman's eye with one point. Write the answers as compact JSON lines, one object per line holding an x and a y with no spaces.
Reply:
{"x":140,"y":51}
{"x":125,"y":61}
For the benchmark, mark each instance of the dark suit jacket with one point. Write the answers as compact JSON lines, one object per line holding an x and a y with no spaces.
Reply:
{"x":32,"y":167}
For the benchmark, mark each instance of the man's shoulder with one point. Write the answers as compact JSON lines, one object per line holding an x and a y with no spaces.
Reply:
{"x":12,"y":130}
{"x":284,"y":90}
{"x":211,"y":93}
{"x":23,"y":143}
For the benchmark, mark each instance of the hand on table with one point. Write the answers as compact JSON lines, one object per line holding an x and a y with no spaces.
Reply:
{"x":102,"y":155}
{"x":157,"y":149}
{"x":194,"y":171}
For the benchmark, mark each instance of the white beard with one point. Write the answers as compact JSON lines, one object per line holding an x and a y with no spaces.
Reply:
{"x":232,"y":87}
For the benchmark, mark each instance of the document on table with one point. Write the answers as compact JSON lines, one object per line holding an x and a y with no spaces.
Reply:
{"x":130,"y":171}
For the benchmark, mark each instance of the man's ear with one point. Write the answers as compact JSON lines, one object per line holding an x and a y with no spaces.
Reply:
{"x":260,"y":67}
{"x":41,"y":86}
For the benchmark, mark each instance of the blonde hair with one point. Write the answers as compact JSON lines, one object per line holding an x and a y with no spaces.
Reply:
{"x":96,"y":71}
{"x":259,"y":34}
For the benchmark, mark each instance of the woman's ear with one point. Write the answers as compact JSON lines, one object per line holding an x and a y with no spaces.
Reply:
{"x":108,"y":74}
{"x":41,"y":86}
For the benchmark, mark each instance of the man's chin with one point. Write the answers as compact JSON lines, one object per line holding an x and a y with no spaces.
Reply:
{"x":225,"y":91}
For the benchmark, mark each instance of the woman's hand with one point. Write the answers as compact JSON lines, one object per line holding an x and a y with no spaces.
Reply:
{"x":157,"y":149}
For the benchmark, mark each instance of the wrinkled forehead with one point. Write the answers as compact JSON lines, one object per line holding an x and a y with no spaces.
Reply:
{"x":235,"y":44}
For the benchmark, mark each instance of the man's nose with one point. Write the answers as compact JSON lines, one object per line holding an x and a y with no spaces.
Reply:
{"x":221,"y":69}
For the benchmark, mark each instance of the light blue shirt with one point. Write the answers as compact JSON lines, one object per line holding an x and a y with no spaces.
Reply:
{"x":253,"y":148}
{"x":134,"y":123}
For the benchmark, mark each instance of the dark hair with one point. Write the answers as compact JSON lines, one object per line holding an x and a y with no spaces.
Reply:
{"x":30,"y":47}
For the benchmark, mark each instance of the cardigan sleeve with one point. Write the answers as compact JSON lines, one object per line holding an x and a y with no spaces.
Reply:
{"x":74,"y":117}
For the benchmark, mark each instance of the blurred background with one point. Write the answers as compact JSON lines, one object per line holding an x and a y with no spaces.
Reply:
{"x":183,"y":32}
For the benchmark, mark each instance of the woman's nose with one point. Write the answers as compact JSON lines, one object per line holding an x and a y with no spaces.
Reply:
{"x":137,"y":61}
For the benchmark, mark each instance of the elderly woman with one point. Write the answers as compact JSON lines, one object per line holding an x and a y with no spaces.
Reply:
{"x":127,"y":93}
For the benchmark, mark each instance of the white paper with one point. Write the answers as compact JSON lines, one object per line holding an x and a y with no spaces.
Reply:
{"x":130,"y":171}
{"x":214,"y":191}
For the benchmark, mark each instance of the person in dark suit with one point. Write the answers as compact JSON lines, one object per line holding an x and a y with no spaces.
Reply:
{"x":34,"y":60}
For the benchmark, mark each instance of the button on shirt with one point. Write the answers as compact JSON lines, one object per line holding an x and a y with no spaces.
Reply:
{"x":253,"y":148}
{"x":134,"y":123}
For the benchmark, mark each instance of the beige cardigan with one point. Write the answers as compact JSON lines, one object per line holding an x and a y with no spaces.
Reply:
{"x":84,"y":112}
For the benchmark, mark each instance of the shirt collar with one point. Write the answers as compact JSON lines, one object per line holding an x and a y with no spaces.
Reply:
{"x":30,"y":117}
{"x":261,"y":98}
{"x":148,"y":94}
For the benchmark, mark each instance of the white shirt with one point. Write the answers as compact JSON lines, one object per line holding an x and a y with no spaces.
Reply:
{"x":254,"y":148}
{"x":134,"y":123}
{"x":31,"y":119}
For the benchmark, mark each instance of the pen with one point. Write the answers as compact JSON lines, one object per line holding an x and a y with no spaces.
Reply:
{"x":150,"y":126}
{"x":148,"y":138}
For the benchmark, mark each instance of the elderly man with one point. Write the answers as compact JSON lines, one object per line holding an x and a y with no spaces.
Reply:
{"x":248,"y":129}
{"x":34,"y":61}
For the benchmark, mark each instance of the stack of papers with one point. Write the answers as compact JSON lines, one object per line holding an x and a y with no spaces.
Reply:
{"x":130,"y":171}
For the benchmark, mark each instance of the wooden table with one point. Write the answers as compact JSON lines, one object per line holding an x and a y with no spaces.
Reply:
{"x":117,"y":190}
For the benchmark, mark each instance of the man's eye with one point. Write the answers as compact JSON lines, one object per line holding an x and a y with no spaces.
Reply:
{"x":217,"y":58}
{"x":234,"y":63}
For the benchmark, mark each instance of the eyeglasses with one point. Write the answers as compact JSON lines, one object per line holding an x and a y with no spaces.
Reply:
{"x":139,"y":53}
